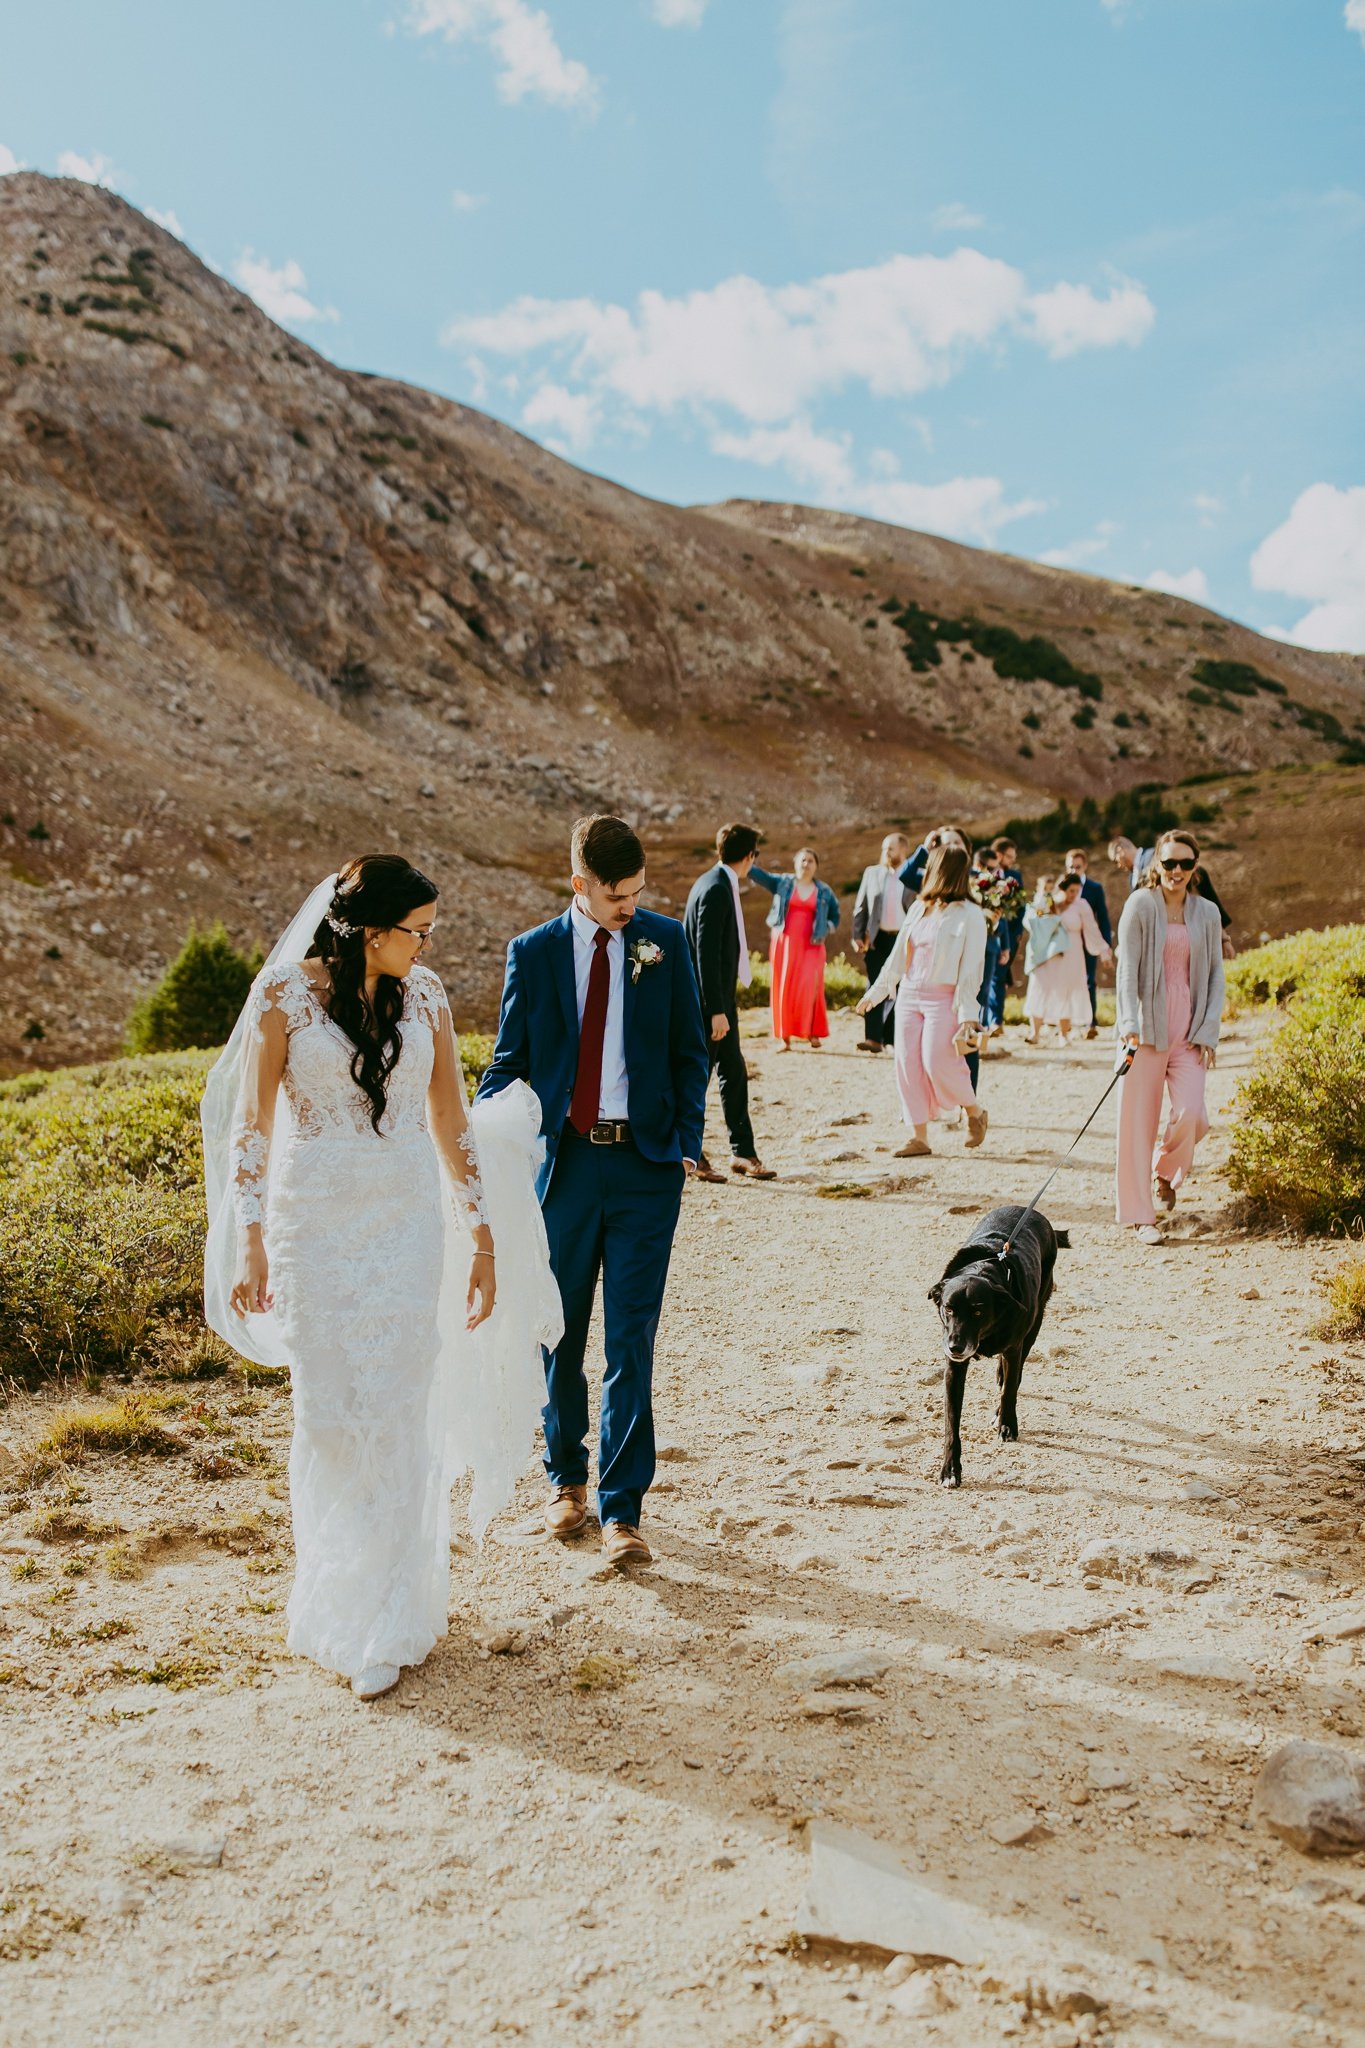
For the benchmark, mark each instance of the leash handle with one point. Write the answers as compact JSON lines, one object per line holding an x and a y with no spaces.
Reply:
{"x":1129,"y":1053}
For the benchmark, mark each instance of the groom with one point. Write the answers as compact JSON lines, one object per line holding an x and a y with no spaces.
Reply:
{"x":601,"y":1016}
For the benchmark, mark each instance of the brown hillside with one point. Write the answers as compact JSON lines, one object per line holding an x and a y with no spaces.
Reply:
{"x":257,"y":611}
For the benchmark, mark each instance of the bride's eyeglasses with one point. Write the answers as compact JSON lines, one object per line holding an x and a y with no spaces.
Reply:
{"x":423,"y":939}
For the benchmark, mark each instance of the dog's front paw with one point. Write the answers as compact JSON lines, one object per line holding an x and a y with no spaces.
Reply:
{"x":1009,"y":1429}
{"x":951,"y":1475}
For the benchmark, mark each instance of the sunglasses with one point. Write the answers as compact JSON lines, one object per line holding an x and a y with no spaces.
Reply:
{"x":1186,"y":866}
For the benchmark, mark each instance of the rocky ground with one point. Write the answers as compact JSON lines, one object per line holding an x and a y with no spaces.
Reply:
{"x":607,"y":1805}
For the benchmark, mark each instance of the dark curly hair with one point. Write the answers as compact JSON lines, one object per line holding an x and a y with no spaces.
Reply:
{"x":375,"y":892}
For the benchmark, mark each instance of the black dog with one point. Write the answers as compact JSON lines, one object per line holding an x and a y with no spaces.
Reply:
{"x":992,"y":1307}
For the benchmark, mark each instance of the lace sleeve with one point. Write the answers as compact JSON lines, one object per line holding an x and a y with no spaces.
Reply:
{"x":254,"y":1122}
{"x":449,"y":1108}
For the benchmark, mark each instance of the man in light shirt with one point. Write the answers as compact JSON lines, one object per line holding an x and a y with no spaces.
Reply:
{"x":877,"y":917}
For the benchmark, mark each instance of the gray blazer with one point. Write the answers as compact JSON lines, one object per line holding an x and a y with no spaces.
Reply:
{"x":1140,"y":981}
{"x":867,"y":911}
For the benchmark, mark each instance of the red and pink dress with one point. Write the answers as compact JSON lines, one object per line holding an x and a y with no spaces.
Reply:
{"x":799,"y":973}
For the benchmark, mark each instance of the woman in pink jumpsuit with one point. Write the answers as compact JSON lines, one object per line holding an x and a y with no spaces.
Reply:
{"x":935,"y":969}
{"x":1170,"y":1002}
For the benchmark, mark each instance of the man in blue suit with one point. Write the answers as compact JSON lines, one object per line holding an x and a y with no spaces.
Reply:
{"x":601,"y":1016}
{"x":1077,"y":863}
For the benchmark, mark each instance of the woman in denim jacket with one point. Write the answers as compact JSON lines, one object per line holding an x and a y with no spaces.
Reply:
{"x":804,"y":912}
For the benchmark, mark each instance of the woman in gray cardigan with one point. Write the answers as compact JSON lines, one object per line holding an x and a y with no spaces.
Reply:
{"x":1169,"y":1009}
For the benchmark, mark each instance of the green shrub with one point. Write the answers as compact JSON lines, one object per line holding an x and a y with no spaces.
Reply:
{"x":1298,"y":1146}
{"x":92,"y":1267}
{"x":199,"y":997}
{"x":131,"y":1118}
{"x":1140,"y":813}
{"x":1238,"y":678}
{"x":1301,"y":964}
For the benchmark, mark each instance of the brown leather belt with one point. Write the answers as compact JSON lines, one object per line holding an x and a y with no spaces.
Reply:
{"x":608,"y":1131}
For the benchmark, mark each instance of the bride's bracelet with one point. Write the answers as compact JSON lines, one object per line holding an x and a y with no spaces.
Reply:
{"x":485,"y":1255}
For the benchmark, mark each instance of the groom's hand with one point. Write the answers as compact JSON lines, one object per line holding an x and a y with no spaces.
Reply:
{"x":689,"y":1167}
{"x":720,"y":1025}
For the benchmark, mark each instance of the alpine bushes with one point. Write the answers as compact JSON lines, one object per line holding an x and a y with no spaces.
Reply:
{"x":1298,"y":1148}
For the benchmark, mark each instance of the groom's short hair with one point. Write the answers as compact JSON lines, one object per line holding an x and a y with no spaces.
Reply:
{"x":606,"y":848}
{"x":737,"y":842}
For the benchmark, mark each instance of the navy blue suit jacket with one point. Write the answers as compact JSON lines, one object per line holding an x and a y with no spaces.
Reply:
{"x":668,"y":1061}
{"x":1093,"y":893}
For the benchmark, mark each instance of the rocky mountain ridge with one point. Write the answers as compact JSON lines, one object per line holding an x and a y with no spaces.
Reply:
{"x":258,"y":611}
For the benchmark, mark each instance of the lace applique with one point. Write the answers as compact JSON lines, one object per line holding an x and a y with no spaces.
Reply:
{"x":469,"y":1201}
{"x":251,"y":1163}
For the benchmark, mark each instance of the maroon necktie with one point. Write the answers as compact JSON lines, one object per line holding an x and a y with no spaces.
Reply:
{"x":587,"y":1087}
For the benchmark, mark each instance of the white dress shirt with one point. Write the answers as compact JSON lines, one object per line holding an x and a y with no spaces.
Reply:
{"x":615,"y":1097}
{"x":893,"y":905}
{"x":746,"y":970}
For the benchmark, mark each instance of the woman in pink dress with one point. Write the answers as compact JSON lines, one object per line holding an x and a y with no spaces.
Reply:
{"x":1169,"y":994}
{"x":804,"y":910}
{"x":1058,"y":991}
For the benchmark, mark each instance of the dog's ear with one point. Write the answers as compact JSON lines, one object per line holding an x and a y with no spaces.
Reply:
{"x":936,"y":1293}
{"x":965,"y":1255}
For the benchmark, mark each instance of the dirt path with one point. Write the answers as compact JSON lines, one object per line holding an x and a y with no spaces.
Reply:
{"x":602,"y":1833}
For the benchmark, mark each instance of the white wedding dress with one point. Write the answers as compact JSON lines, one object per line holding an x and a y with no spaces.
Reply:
{"x":368,"y":1248}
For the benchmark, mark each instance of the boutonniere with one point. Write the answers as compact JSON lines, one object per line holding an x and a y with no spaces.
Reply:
{"x":644,"y":953}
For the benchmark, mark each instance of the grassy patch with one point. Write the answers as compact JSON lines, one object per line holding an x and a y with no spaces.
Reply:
{"x":67,"y":1523}
{"x":177,"y":1674}
{"x":1345,"y":1317}
{"x":1304,"y":962}
{"x":845,"y":1191}
{"x":601,"y":1672}
{"x":128,"y":1427}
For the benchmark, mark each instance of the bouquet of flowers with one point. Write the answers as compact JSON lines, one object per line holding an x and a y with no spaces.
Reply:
{"x":1000,"y":896}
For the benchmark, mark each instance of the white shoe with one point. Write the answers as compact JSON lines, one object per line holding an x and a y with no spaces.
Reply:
{"x":1147,"y":1233}
{"x":375,"y":1680}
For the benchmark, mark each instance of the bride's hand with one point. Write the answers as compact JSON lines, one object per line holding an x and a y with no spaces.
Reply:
{"x":483,"y":1289}
{"x":861,"y":1009}
{"x":251,"y":1293}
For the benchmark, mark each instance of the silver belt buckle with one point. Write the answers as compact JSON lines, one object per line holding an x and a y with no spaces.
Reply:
{"x":602,"y":1133}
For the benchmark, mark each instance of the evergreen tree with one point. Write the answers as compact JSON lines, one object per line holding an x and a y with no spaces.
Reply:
{"x":199,"y":997}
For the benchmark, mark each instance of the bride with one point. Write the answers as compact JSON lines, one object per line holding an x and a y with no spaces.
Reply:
{"x":336,"y":1219}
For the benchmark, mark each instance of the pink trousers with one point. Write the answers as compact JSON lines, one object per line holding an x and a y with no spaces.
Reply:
{"x":1181,"y":1072}
{"x":930,"y":1072}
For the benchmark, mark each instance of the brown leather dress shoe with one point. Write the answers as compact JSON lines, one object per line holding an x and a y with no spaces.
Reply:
{"x":706,"y":1171}
{"x":566,"y":1511}
{"x":752,"y":1169}
{"x":624,"y":1544}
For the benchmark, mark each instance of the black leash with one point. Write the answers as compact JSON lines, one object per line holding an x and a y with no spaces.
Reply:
{"x":1119,"y":1072}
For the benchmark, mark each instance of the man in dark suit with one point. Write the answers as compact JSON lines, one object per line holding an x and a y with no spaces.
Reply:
{"x":601,"y":1017}
{"x":714,"y":923}
{"x":1077,"y":863}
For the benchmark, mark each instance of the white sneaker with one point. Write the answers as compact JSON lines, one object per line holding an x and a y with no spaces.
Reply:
{"x":375,"y":1680}
{"x":1147,"y":1233}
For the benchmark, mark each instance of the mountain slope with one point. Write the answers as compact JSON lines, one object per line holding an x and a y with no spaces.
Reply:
{"x":257,"y":611}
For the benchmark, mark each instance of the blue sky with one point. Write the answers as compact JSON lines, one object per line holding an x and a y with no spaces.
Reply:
{"x":1080,"y":279}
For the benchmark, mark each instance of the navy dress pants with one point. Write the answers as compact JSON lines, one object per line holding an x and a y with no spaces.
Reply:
{"x":612,"y":1213}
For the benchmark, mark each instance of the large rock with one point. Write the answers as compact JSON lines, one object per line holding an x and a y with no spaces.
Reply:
{"x":1313,"y":1795}
{"x":835,"y":1667}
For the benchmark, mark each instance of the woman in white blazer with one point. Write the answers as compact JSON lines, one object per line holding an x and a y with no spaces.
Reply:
{"x":935,"y":968}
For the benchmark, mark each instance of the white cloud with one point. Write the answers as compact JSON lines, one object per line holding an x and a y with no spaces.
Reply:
{"x":768,"y":352}
{"x":279,"y":289}
{"x":965,"y":507}
{"x":1193,"y":584}
{"x":468,"y":202}
{"x":572,"y":414}
{"x":91,"y":170}
{"x":1319,"y":554}
{"x":956,"y":219}
{"x":522,"y":38}
{"x":1070,"y":317}
{"x":170,"y":220}
{"x":1209,"y":508}
{"x":1355,"y":17}
{"x":1077,"y":553}
{"x":8,"y":162}
{"x":678,"y":13}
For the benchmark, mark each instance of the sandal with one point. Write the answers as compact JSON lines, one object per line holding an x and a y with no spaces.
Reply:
{"x":1163,"y":1191}
{"x":913,"y":1148}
